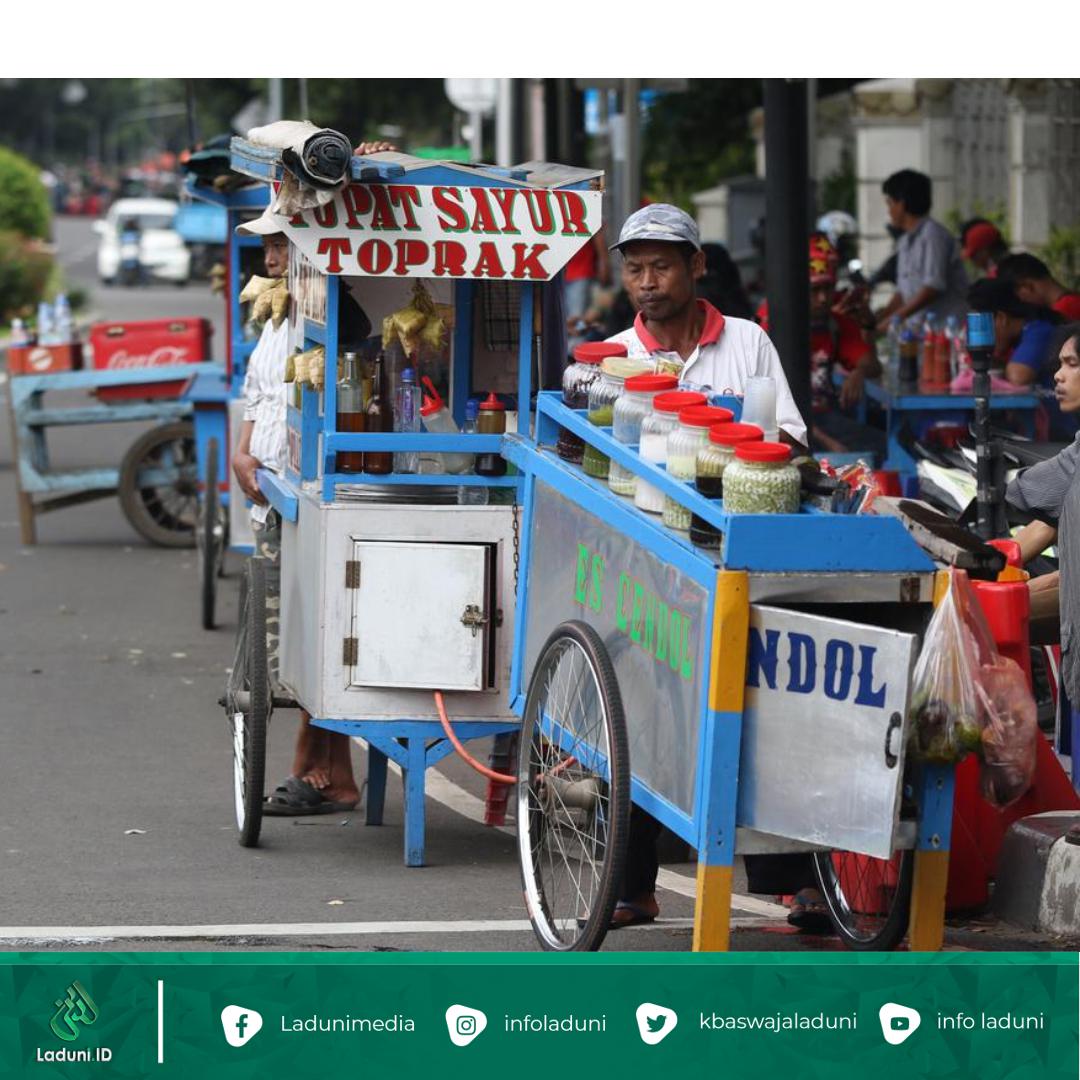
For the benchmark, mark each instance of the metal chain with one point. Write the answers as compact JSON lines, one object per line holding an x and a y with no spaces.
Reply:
{"x":517,"y":540}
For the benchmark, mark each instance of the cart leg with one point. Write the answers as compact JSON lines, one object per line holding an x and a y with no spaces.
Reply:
{"x":721,"y":736}
{"x":414,"y":801}
{"x":376,"y":785}
{"x":926,"y":929}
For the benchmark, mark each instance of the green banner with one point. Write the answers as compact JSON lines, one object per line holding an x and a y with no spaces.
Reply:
{"x":199,"y":1016}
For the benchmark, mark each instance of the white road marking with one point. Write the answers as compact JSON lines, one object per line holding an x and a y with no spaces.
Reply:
{"x":91,"y":934}
{"x":455,"y":797}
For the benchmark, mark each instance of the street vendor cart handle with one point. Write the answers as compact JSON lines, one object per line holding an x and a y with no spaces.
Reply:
{"x":895,"y":723}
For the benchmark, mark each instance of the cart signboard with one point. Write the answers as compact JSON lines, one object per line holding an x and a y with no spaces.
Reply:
{"x":824,"y":727}
{"x":452,"y":231}
{"x":654,"y":622}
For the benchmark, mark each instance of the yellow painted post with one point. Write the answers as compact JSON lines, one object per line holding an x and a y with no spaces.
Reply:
{"x":727,"y":686}
{"x":926,"y":927}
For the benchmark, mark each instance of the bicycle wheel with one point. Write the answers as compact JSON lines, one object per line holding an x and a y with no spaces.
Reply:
{"x":248,"y":704}
{"x":573,"y":792}
{"x":869,"y":900}
{"x":158,"y":485}
{"x":210,"y":537}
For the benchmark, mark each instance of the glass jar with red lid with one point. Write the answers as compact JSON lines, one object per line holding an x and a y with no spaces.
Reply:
{"x":683,"y":444}
{"x":630,"y":410}
{"x":652,"y":445}
{"x":579,"y":375}
{"x":762,"y":480}
{"x":712,"y":459}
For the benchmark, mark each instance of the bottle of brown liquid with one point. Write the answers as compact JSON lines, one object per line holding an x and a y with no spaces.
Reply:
{"x":380,"y":419}
{"x":350,"y":411}
{"x":492,"y":421}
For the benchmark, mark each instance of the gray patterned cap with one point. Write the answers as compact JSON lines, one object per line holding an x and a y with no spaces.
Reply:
{"x":660,"y":221}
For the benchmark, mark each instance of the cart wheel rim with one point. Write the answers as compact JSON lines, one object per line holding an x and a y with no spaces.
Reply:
{"x":239,"y":771}
{"x":564,"y":799}
{"x":868,"y":899}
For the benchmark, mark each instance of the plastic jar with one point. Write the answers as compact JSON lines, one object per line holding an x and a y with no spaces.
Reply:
{"x":683,"y":445}
{"x":630,"y":410}
{"x":652,"y":445}
{"x":712,"y":459}
{"x":577,"y":378}
{"x":762,"y":480}
{"x":603,"y":394}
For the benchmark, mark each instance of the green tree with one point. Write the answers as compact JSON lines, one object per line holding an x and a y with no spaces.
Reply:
{"x":24,"y":203}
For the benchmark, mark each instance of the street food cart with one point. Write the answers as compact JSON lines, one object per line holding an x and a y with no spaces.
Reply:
{"x":223,"y":521}
{"x":753,"y":698}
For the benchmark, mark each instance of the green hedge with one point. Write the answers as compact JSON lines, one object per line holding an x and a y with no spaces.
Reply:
{"x":24,"y":202}
{"x":24,"y":274}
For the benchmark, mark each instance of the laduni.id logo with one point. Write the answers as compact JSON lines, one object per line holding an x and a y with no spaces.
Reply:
{"x":74,"y":1012}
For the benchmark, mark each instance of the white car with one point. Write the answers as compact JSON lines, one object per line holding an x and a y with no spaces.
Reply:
{"x":161,"y":252}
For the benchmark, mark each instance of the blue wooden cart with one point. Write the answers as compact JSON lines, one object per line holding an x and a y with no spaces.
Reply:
{"x":214,"y":396}
{"x":752,"y":699}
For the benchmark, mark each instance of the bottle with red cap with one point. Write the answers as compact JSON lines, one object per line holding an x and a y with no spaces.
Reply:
{"x":762,"y":480}
{"x":492,"y":421}
{"x":712,"y":461}
{"x":652,"y":446}
{"x":437,"y":419}
{"x":682,"y":450}
{"x":577,"y":379}
{"x":630,"y":410}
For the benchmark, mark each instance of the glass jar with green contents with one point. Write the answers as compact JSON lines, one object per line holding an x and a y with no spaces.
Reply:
{"x":630,"y":409}
{"x":603,"y":394}
{"x":762,"y":480}
{"x":652,"y":445}
{"x":712,"y":459}
{"x":576,"y":380}
{"x":683,"y":445}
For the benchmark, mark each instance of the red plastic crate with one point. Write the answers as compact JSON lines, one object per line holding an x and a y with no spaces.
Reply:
{"x":44,"y":359}
{"x":152,"y":343}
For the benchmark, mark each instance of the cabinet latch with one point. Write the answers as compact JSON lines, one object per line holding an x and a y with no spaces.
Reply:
{"x":474,"y":618}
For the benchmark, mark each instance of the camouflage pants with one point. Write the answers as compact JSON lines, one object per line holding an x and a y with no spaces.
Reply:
{"x":268,"y":547}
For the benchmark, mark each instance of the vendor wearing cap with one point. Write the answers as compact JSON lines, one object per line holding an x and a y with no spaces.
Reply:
{"x":679,"y":333}
{"x":983,"y":245}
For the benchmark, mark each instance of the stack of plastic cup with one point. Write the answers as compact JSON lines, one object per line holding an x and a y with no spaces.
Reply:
{"x":759,"y":405}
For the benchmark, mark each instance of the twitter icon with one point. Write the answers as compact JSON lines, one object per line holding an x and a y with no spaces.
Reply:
{"x":655,"y":1022}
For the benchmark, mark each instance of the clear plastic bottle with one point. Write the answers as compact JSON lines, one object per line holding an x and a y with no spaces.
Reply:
{"x":469,"y":495}
{"x":652,"y":445}
{"x":894,"y":343}
{"x":630,"y":409}
{"x":62,"y":326}
{"x":46,"y":333}
{"x":683,"y":445}
{"x":407,"y":420}
{"x":20,"y":336}
{"x":437,"y":419}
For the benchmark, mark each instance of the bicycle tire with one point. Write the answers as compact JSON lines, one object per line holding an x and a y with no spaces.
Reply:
{"x":210,"y":538}
{"x":567,"y":806}
{"x":165,"y":515}
{"x":868,"y":900}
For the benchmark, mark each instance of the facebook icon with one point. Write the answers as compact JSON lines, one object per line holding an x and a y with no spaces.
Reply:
{"x":240,"y":1024}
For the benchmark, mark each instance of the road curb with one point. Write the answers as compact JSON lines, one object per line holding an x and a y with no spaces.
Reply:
{"x":1038,"y":879}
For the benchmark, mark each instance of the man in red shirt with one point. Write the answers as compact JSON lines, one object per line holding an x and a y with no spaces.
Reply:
{"x":1034,"y":284}
{"x":841,"y":338}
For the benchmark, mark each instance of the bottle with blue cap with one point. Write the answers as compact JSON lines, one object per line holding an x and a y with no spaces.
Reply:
{"x":407,"y":420}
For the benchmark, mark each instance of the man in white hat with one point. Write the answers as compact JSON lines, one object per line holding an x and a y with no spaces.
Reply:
{"x":322,"y":780}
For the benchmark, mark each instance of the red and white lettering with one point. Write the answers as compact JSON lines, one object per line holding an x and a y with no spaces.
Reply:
{"x":448,"y":201}
{"x":572,"y":208}
{"x":504,"y":199}
{"x":449,"y":259}
{"x":539,"y":204}
{"x":488,"y":264}
{"x":405,"y":198}
{"x":527,"y":262}
{"x":410,"y":253}
{"x":162,"y":356}
{"x":483,"y":220}
{"x":356,"y":199}
{"x":333,"y":247}
{"x":325,"y":216}
{"x":374,"y":257}
{"x":383,"y":218}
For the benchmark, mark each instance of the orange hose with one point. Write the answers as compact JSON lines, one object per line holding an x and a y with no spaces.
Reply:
{"x":499,"y":778}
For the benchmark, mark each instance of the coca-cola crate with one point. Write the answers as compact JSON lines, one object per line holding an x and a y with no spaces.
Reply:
{"x":152,"y":343}
{"x":44,"y":359}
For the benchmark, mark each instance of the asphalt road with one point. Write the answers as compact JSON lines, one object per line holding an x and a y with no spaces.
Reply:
{"x":115,"y":776}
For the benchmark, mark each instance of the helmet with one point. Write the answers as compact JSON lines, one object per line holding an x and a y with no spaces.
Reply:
{"x":835,"y":224}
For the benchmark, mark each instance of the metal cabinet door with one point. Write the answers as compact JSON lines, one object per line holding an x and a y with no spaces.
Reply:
{"x":420,"y":615}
